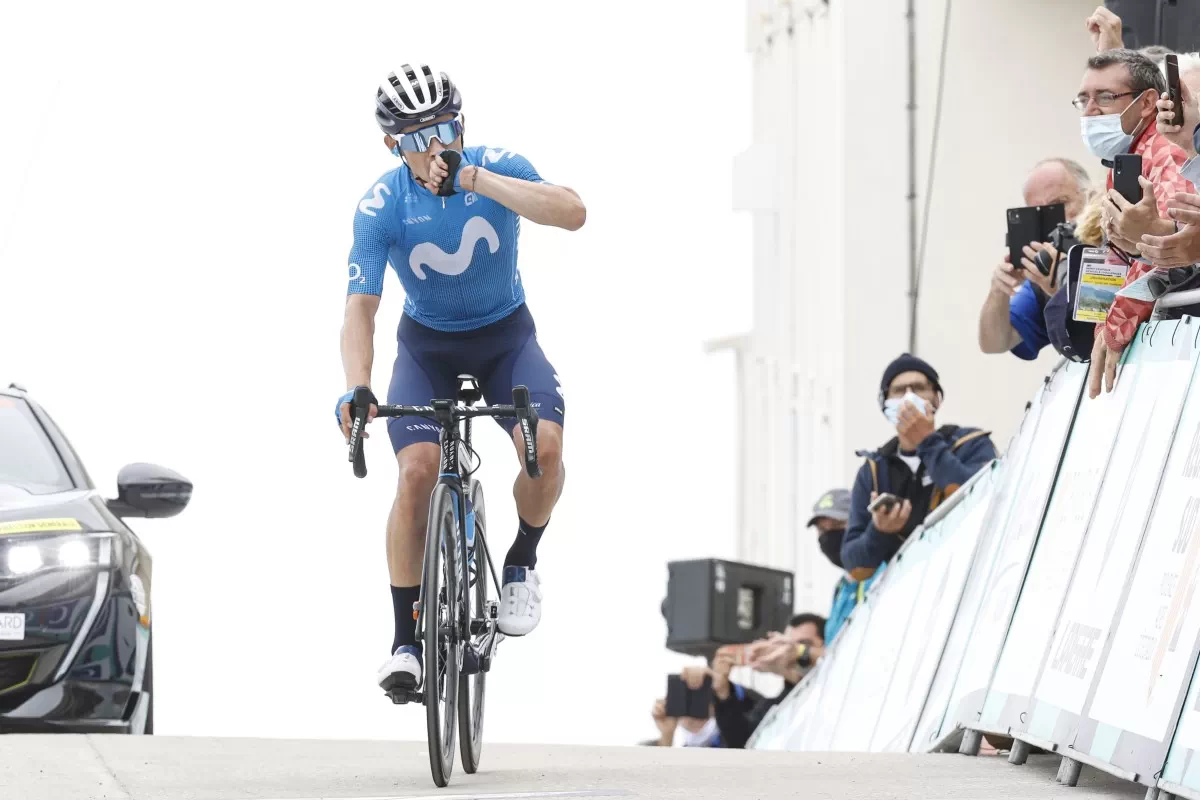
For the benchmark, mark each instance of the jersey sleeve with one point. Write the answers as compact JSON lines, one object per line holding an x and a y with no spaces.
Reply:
{"x":369,"y":253}
{"x":510,"y":164}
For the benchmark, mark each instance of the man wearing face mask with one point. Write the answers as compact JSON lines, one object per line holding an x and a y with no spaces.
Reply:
{"x":1118,"y":99}
{"x":1179,"y":252}
{"x":829,"y":516}
{"x":912,"y":473}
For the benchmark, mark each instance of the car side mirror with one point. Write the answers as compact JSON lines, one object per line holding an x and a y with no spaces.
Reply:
{"x":151,"y":491}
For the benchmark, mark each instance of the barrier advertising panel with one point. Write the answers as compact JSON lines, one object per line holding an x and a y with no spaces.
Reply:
{"x":1061,"y":396}
{"x":1087,"y":455}
{"x":952,"y":543}
{"x":1161,"y":370}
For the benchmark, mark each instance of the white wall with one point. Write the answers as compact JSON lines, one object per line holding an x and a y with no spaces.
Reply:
{"x":831,"y":231}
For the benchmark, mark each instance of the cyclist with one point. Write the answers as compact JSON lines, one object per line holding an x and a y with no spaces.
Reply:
{"x":464,"y":312}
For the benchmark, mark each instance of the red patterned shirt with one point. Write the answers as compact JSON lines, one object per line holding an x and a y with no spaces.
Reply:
{"x":1161,"y":162}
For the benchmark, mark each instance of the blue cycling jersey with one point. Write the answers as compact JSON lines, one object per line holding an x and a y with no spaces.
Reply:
{"x":456,"y":256}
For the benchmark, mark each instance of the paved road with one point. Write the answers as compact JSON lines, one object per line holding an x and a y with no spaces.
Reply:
{"x":182,"y":768}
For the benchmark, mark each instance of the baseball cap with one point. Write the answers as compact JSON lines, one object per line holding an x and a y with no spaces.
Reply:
{"x":834,"y":504}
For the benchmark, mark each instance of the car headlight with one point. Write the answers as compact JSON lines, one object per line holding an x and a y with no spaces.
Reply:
{"x":72,"y":552}
{"x":24,"y":558}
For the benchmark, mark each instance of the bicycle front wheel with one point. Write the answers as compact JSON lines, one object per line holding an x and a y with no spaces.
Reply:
{"x":475,"y":596}
{"x":439,"y":613}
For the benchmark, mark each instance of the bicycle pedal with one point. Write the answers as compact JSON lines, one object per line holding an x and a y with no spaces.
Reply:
{"x":404,"y":696}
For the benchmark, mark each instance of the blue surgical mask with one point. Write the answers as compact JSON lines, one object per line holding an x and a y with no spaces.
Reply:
{"x":891,"y":406}
{"x":1104,"y":137}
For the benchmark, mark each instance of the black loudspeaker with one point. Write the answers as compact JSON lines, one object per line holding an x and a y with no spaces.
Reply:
{"x":711,"y":603}
{"x":1142,"y":20}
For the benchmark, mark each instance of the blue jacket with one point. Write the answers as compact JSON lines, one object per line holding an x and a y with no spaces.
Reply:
{"x":949,"y":457}
{"x":846,"y":596}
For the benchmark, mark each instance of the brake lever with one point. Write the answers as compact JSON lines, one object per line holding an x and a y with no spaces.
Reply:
{"x":361,"y":406}
{"x":528,"y":419}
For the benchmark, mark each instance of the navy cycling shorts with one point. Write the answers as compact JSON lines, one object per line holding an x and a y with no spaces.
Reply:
{"x":500,"y":356}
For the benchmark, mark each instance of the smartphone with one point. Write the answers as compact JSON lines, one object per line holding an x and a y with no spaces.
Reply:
{"x":1173,"y":93}
{"x":1024,"y":227}
{"x":685,"y":702}
{"x":885,"y":501}
{"x":1127,"y":168}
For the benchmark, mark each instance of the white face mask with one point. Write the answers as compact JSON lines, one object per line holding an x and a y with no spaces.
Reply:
{"x":1104,"y":136}
{"x":702,"y":738}
{"x":891,"y":406}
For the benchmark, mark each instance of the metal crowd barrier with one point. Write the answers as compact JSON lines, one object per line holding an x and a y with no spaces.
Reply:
{"x":1051,"y":600}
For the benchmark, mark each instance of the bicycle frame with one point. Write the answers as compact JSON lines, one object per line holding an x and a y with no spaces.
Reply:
{"x":451,"y":476}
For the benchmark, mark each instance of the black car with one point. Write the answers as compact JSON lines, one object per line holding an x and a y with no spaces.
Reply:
{"x":75,"y":613}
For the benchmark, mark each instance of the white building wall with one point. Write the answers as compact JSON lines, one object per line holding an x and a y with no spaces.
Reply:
{"x":826,"y":180}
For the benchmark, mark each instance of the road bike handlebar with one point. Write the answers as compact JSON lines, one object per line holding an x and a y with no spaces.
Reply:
{"x":447,"y":414}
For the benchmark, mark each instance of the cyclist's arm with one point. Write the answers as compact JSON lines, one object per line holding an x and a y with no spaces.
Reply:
{"x":368,"y":261}
{"x":510,"y":180}
{"x":358,"y":338}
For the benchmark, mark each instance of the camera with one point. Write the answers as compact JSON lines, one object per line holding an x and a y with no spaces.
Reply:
{"x":1063,"y":239}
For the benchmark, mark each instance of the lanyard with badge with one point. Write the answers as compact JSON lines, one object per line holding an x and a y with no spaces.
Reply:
{"x":1101,"y":275}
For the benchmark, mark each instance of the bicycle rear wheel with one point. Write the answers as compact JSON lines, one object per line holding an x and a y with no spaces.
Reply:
{"x":471,"y":687}
{"x":439,"y":612}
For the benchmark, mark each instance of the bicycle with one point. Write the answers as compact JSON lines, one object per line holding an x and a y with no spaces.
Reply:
{"x":459,"y":636}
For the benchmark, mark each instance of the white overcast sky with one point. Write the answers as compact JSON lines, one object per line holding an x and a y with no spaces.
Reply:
{"x":177,"y":183}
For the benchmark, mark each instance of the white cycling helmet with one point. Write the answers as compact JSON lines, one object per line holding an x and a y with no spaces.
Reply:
{"x":414,"y":94}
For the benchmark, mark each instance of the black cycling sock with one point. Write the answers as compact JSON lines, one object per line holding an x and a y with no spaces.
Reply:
{"x":523,"y":552}
{"x":403,"y":598}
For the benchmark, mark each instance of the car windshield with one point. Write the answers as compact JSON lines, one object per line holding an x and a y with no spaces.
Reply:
{"x":27,"y":458}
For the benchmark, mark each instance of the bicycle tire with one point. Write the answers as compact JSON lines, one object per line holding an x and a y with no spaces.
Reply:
{"x":471,"y":688}
{"x":440,"y":605}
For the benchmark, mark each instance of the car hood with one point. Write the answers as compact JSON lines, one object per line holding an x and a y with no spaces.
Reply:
{"x":81,"y":505}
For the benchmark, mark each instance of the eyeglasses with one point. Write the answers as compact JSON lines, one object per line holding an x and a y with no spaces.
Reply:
{"x":916,"y":387}
{"x":419,"y":140}
{"x":1103,"y":99}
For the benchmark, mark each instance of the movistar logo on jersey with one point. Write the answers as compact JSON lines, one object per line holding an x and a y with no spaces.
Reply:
{"x":428,"y":254}
{"x":370,"y":205}
{"x":495,"y":154}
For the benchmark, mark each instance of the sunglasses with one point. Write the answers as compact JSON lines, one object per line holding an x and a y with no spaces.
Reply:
{"x":419,"y":140}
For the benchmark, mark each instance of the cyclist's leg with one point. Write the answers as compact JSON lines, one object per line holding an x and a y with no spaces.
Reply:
{"x":414,"y":382}
{"x":526,"y":364}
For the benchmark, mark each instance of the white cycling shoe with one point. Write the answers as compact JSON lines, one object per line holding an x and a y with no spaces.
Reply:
{"x":402,"y":670}
{"x":520,"y":601}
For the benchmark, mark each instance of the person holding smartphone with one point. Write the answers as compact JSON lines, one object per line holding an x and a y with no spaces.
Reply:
{"x":738,"y":710}
{"x":912,"y":473}
{"x":1179,"y":121}
{"x":1118,"y":102}
{"x":1012,"y":318}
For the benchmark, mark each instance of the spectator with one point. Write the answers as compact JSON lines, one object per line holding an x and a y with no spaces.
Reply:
{"x":921,"y":466}
{"x":1119,"y":102}
{"x":1181,"y":248}
{"x":789,"y":654}
{"x":1013,"y":315}
{"x":684,"y":731}
{"x":830,"y":515}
